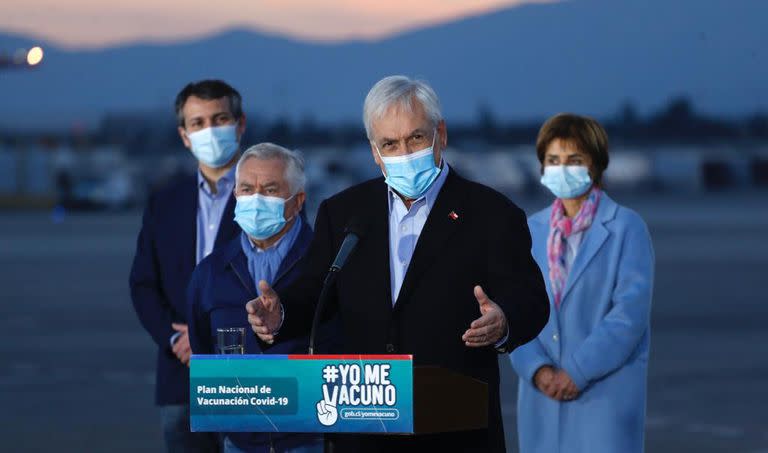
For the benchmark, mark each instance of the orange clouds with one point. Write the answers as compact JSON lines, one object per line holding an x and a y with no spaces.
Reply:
{"x":93,"y":23}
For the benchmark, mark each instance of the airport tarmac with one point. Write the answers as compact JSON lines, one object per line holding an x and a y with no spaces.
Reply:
{"x":77,"y":370}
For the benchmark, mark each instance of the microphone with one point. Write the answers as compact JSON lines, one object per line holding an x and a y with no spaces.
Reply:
{"x":353,"y":233}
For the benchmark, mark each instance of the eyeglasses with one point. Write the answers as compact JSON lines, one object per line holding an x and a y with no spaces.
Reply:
{"x":414,"y":142}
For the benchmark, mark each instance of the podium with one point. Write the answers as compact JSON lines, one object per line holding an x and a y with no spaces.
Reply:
{"x":382,"y":394}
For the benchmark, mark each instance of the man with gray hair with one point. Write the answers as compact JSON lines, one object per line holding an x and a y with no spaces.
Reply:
{"x":443,"y":269}
{"x":269,"y":191}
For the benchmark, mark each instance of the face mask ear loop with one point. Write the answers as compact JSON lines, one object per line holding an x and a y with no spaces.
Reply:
{"x":380,"y":158}
{"x":286,"y":201}
{"x":434,"y":137}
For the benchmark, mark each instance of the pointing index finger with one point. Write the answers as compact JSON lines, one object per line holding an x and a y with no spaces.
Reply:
{"x":251,"y":305}
{"x":266,"y":290}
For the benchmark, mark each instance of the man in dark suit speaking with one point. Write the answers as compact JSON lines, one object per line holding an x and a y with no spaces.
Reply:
{"x":442,"y":271}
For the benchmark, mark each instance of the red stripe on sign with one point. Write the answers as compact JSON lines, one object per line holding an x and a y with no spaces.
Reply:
{"x":349,"y":357}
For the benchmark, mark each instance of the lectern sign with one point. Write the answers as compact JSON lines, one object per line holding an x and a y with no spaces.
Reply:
{"x":302,"y":393}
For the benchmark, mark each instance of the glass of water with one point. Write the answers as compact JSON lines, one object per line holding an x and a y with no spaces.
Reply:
{"x":230,"y":340}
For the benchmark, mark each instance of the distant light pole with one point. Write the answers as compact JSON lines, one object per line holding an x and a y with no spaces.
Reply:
{"x":22,"y":59}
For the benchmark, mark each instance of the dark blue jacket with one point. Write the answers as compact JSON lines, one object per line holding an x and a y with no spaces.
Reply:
{"x":164,"y":261}
{"x":220,"y":287}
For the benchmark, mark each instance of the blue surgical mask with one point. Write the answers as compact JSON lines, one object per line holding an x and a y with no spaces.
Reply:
{"x":411,"y":175}
{"x":261,"y":217}
{"x":566,"y":181}
{"x":214,"y":146}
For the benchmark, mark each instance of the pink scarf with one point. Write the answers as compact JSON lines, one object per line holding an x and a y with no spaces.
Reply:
{"x":560,"y":228}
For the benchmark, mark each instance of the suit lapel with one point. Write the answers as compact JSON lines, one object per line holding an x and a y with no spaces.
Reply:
{"x":377,"y":242}
{"x":188,"y":229}
{"x":440,"y":226}
{"x":239,"y":265}
{"x":298,"y":249}
{"x":228,"y":228}
{"x":594,"y":238}
{"x":539,"y":249}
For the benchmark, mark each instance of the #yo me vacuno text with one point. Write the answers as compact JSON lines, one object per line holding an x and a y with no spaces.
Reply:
{"x":355,"y":392}
{"x":353,"y":385}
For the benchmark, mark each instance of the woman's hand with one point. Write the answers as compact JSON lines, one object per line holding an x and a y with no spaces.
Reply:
{"x":556,"y":384}
{"x":565,"y":389}
{"x":544,"y":380}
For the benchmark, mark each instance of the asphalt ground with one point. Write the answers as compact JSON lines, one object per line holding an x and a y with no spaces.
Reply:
{"x":76,"y":368}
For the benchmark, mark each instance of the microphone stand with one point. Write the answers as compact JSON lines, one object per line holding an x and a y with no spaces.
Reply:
{"x":330,"y":278}
{"x":329,"y":442}
{"x":347,"y":246}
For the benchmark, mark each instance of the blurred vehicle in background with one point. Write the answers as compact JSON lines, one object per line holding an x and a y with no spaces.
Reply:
{"x":111,"y":177}
{"x":96,"y":178}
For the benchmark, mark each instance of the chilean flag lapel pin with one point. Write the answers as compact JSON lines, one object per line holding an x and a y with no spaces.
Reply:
{"x":453,"y":216}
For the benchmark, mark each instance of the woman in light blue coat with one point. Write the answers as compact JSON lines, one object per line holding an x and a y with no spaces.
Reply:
{"x":582,"y":385}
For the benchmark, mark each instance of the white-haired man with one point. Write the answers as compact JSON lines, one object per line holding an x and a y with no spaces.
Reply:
{"x":443,"y":270}
{"x":269,"y":189}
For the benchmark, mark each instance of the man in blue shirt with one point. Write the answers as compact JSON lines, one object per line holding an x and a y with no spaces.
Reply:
{"x":270,"y":194}
{"x":183,"y":222}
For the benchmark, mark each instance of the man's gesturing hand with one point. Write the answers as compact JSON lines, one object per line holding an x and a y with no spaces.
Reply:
{"x":490,"y":327}
{"x":265,"y":313}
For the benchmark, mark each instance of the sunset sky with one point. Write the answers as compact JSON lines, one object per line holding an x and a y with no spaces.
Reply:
{"x":96,"y":23}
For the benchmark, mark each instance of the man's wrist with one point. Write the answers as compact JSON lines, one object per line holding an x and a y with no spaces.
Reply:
{"x":500,"y":345}
{"x":174,"y":338}
{"x":282,"y":319}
